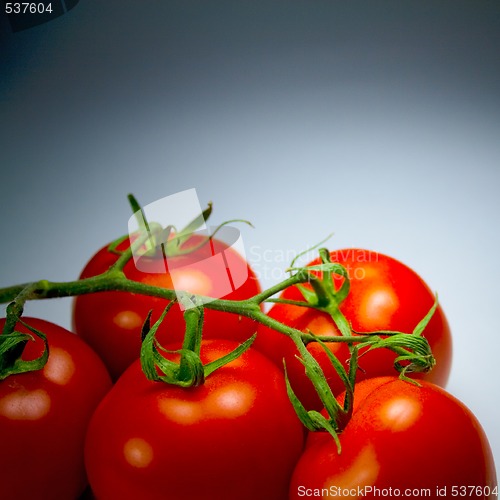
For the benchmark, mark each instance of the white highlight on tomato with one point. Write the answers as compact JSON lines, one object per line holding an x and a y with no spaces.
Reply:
{"x":182,"y":412}
{"x":60,"y":366}
{"x":232,"y":400}
{"x":362,"y":473}
{"x":138,"y":452}
{"x":400,"y":414}
{"x":25,"y":405}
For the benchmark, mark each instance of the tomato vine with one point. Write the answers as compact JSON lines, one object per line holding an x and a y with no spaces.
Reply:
{"x":412,"y":350}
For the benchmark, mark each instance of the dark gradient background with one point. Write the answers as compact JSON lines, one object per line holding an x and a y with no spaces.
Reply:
{"x":378,"y":120}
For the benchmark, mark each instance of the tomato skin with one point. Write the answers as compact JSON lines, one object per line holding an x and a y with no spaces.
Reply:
{"x":44,"y":416}
{"x":402,"y":437}
{"x":111,"y":322}
{"x":384,"y":295}
{"x":236,"y":436}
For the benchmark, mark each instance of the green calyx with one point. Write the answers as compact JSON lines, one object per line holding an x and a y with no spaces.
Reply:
{"x":189,"y":371}
{"x":12,"y":346}
{"x":323,"y":296}
{"x":338,"y":415}
{"x":13,"y":343}
{"x":169,"y":241}
{"x":413,"y":353}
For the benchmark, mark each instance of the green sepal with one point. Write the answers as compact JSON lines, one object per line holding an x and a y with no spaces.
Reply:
{"x":323,"y":292}
{"x":325,"y":267}
{"x":190,"y":371}
{"x":312,"y":420}
{"x":327,"y":277}
{"x":299,"y":255}
{"x":321,"y":422}
{"x":299,"y":303}
{"x":425,"y":320}
{"x":340,"y":321}
{"x":315,"y":374}
{"x":175,"y":244}
{"x":134,"y":204}
{"x":309,"y":295}
{"x":302,"y":413}
{"x":343,"y":291}
{"x":194,"y":225}
{"x":146,"y":326}
{"x":187,"y":373}
{"x":112,"y":247}
{"x":155,"y":366}
{"x":194,"y":315}
{"x":411,"y":348}
{"x":136,"y":210}
{"x":224,"y":360}
{"x":348,"y":379}
{"x":156,"y":236}
{"x":11,"y":349}
{"x":353,"y":371}
{"x":152,"y":232}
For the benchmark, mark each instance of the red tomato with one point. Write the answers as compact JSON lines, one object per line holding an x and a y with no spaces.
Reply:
{"x":44,"y":416}
{"x":385,"y":295}
{"x":236,"y":436}
{"x":111,"y":322}
{"x":402,"y":440}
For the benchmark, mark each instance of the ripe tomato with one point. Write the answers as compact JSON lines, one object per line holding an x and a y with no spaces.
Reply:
{"x":44,"y":416}
{"x":402,"y":440}
{"x":236,"y":436}
{"x":111,"y":322}
{"x":384,"y":295}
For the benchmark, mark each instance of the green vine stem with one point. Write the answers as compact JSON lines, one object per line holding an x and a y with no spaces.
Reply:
{"x":114,"y":279}
{"x":412,"y":350}
{"x":11,"y":348}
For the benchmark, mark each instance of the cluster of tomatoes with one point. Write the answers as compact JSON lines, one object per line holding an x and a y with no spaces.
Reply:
{"x":90,"y":416}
